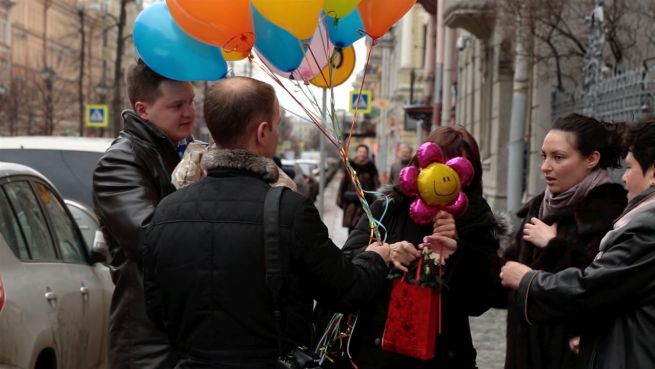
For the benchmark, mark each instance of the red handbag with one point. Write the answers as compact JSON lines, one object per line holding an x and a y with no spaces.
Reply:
{"x":413,"y":319}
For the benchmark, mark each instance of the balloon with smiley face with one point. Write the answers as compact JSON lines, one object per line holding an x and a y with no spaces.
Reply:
{"x":436,"y":185}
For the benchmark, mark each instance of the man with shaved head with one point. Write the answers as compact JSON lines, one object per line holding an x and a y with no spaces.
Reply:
{"x":205,"y":272}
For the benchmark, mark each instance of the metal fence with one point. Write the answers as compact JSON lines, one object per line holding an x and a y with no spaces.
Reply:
{"x":628,"y":96}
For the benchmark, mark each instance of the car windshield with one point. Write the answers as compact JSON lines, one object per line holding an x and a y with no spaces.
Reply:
{"x":307,"y":168}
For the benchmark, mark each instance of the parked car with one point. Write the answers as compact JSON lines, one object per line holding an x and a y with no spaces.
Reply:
{"x":54,"y":296}
{"x":306,"y":184}
{"x":66,"y":161}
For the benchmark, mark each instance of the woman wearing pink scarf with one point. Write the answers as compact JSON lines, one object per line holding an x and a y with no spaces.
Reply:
{"x":614,"y":297}
{"x":562,"y":228}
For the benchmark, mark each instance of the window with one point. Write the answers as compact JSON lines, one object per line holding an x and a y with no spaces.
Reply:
{"x":10,"y":230}
{"x":68,"y":240}
{"x":86,"y":223}
{"x":31,"y":220}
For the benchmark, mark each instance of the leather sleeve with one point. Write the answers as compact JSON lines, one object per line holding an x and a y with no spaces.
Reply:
{"x":125,"y":198}
{"x":623,"y":278}
{"x":339,"y":284}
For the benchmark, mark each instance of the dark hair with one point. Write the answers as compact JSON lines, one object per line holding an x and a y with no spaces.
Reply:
{"x":143,"y":83}
{"x":592,"y":135}
{"x":233,"y":105}
{"x":641,"y":140}
{"x":364,"y":146}
{"x":457,"y":141}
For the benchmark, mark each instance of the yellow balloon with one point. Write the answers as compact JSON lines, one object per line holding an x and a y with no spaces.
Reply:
{"x":339,"y":8}
{"x":343,"y":63}
{"x":299,"y":17}
{"x":233,"y":55}
{"x":438,"y":184}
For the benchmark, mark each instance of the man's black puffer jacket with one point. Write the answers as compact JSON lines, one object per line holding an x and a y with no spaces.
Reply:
{"x":205,"y":278}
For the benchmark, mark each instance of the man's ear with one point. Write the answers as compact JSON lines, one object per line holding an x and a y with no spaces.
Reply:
{"x":263,"y":129}
{"x":141,"y":109}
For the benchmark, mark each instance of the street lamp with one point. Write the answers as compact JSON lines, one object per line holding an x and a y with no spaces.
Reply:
{"x":49,"y":76}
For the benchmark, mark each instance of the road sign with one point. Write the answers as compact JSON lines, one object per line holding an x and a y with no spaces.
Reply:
{"x":362,"y":102}
{"x":96,"y":115}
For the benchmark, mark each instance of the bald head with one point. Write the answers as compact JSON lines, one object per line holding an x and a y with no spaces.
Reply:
{"x":233,"y":106}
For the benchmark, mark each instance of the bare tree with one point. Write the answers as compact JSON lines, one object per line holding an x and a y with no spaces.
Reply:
{"x":560,"y":30}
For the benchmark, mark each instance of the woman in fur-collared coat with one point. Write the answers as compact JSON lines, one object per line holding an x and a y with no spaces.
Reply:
{"x":562,"y":228}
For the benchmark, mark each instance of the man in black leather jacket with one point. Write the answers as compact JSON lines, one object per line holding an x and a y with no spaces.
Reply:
{"x":205,"y":277}
{"x":130,"y":179}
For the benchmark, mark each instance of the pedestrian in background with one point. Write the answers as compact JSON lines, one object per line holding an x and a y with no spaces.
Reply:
{"x":614,"y":297}
{"x":347,"y":198}
{"x":404,"y":155}
{"x":470,"y":274}
{"x":206,"y":264}
{"x":562,"y":228}
{"x":129,"y":181}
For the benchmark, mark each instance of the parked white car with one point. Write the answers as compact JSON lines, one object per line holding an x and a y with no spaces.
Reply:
{"x":54,"y":298}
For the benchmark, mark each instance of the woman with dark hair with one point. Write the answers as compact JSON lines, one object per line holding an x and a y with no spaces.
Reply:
{"x":470,"y":272}
{"x":368,"y":177}
{"x":614,"y":297}
{"x":562,"y":228}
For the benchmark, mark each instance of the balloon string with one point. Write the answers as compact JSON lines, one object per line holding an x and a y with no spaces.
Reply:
{"x":314,"y":119}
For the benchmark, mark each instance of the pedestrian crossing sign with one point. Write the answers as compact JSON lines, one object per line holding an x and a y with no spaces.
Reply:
{"x":360,"y":101}
{"x":97,"y":115}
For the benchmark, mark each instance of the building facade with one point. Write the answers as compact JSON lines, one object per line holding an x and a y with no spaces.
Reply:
{"x":59,"y":56}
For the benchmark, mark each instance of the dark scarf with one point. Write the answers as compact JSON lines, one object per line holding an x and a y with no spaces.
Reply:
{"x":553,"y":203}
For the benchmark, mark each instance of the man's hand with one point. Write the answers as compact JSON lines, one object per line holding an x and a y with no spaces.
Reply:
{"x":444,"y":225}
{"x":444,"y":246}
{"x":402,"y":254}
{"x":539,"y":233}
{"x":382,"y":249}
{"x":511,"y":274}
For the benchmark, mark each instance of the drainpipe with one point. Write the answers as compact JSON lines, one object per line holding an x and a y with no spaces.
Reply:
{"x":517,"y":125}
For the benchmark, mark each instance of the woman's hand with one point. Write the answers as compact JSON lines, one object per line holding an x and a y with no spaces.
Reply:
{"x":539,"y":233}
{"x":444,"y":246}
{"x":444,"y":225}
{"x":511,"y":274}
{"x":402,"y":254}
{"x":574,"y":344}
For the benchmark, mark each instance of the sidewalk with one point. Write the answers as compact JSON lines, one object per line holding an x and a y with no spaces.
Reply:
{"x":332,"y":213}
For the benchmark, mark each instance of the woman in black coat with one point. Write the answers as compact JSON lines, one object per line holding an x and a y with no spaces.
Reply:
{"x":347,"y":198}
{"x":614,"y":296}
{"x":562,"y":228}
{"x":470,"y":273}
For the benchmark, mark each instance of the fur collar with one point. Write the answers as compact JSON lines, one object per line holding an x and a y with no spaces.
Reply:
{"x":242,"y":160}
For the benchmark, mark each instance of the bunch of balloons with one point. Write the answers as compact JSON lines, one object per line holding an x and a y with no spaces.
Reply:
{"x":191,"y":40}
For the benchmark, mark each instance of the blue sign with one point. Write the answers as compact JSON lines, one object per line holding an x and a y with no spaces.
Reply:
{"x":97,"y":115}
{"x":360,"y":102}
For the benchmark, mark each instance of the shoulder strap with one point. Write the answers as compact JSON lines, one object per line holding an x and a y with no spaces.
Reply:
{"x":272,"y":241}
{"x":272,"y":251}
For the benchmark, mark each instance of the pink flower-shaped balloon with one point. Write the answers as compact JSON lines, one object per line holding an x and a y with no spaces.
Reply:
{"x":436,"y":185}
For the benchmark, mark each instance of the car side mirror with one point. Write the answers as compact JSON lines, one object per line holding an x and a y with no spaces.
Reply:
{"x":99,"y":250}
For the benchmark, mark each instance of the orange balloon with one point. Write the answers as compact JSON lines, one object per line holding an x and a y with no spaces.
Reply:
{"x":379,"y":15}
{"x":234,"y":55}
{"x":223,"y":23}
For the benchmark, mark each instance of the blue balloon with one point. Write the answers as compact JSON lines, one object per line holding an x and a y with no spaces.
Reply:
{"x":279,"y":47}
{"x":345,"y":31}
{"x":169,"y":51}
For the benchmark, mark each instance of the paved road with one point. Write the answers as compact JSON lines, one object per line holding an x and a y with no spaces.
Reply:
{"x":488,"y":330}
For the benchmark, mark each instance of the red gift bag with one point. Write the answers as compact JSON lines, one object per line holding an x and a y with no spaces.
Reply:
{"x":412,"y":320}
